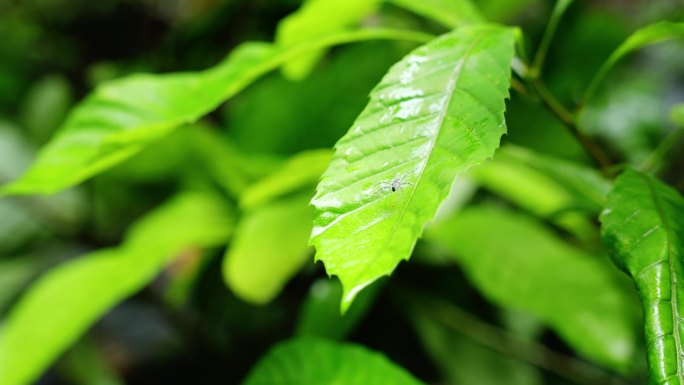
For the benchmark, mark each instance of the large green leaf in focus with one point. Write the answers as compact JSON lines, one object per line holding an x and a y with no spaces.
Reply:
{"x":450,"y":13}
{"x":270,"y":246}
{"x":517,"y":263}
{"x":436,"y":113}
{"x":643,"y":227}
{"x":308,"y":361}
{"x":314,"y":18}
{"x":62,"y":304}
{"x":644,"y":37}
{"x":123,"y":116}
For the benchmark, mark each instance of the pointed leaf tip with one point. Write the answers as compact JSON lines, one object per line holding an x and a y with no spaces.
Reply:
{"x":436,"y":112}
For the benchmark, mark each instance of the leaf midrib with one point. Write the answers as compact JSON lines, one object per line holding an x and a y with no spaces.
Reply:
{"x":453,"y":84}
{"x":673,"y":279}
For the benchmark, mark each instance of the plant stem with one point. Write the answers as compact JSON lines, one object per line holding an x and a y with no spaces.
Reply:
{"x":551,"y":27}
{"x":654,"y":159}
{"x":509,"y":344}
{"x":569,"y":120}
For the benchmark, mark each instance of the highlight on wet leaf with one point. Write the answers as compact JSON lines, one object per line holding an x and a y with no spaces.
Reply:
{"x":643,"y":228}
{"x":436,"y":113}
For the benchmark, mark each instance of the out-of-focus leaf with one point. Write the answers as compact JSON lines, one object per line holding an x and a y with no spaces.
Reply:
{"x":299,"y":171}
{"x":15,"y":273}
{"x":436,"y":113}
{"x":677,"y":115}
{"x":586,"y":185}
{"x":123,"y":116}
{"x":517,"y":263}
{"x":629,"y":116}
{"x":534,"y":192}
{"x":45,"y":107}
{"x":270,"y":246}
{"x":463,"y":362}
{"x":319,"y":315}
{"x":285,"y":130}
{"x":63,"y":303}
{"x":649,"y":35}
{"x":308,"y":361}
{"x":643,"y":227}
{"x":316,"y":18}
{"x":84,"y":364}
{"x":450,"y":13}
{"x":229,"y":165}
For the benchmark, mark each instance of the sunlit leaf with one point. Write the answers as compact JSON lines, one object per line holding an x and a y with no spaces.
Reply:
{"x":436,"y":113}
{"x":314,"y":18}
{"x":309,"y":361}
{"x":644,"y":37}
{"x":300,"y":170}
{"x":643,"y":227}
{"x":123,"y":116}
{"x":450,"y":13}
{"x":60,"y":307}
{"x":270,"y":246}
{"x":517,"y":263}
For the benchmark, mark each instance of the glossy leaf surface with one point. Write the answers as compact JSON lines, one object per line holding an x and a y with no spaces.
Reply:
{"x":309,"y":361}
{"x":270,"y":246}
{"x":450,"y":13}
{"x":314,"y":18}
{"x":643,"y":227}
{"x":567,"y":289}
{"x":123,"y":116}
{"x":649,"y":35}
{"x":63,"y":304}
{"x":436,"y":113}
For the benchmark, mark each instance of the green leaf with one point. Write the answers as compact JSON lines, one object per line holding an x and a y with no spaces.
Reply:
{"x":450,"y":13}
{"x":270,"y":246}
{"x":123,"y":116}
{"x":643,"y":227}
{"x":299,"y":171}
{"x":649,"y":35}
{"x":319,"y":315}
{"x":536,"y":192}
{"x":518,"y":263}
{"x":307,"y":361}
{"x":436,"y":113}
{"x":61,"y":306}
{"x":314,"y":18}
{"x":462,"y":361}
{"x":677,"y":115}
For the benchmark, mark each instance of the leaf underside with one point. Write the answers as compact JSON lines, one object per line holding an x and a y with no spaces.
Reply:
{"x":436,"y":112}
{"x":643,"y":227}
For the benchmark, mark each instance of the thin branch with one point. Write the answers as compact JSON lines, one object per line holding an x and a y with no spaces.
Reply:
{"x":569,"y":120}
{"x":509,"y":344}
{"x":551,"y":27}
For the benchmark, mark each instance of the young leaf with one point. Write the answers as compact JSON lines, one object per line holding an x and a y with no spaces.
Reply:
{"x":123,"y":116}
{"x":308,"y":361}
{"x":68,"y":299}
{"x":450,"y":13}
{"x":649,"y":35}
{"x":314,"y":18}
{"x":436,"y":113}
{"x":517,"y":263}
{"x":270,"y":246}
{"x":643,"y":227}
